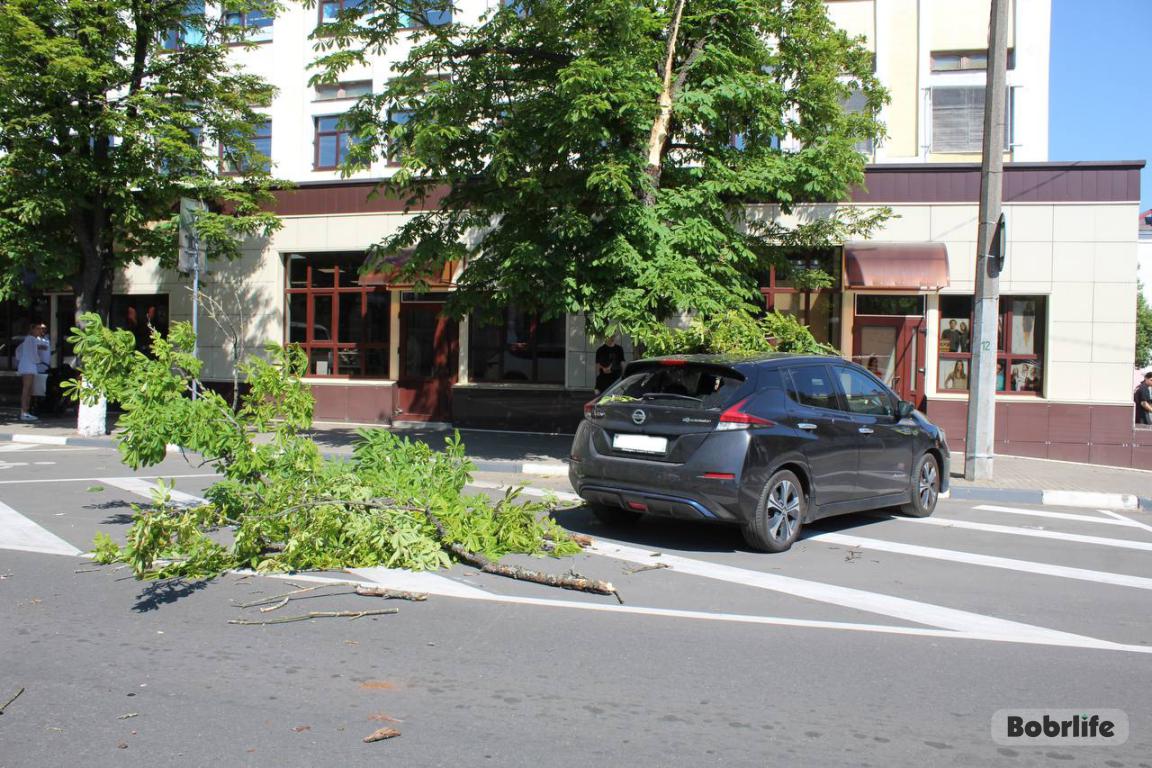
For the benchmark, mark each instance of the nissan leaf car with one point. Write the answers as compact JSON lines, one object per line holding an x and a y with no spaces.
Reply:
{"x":768,"y":443}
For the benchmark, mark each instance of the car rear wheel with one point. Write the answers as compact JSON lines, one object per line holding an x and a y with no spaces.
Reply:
{"x":614,"y":515}
{"x":925,"y":488}
{"x":779,"y":514}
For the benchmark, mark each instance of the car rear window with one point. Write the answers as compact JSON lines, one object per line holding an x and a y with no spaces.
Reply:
{"x":686,"y":386}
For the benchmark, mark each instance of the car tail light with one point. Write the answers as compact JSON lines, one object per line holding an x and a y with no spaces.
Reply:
{"x":673,"y":361}
{"x":718,"y":476}
{"x":736,"y":418}
{"x":590,"y":411}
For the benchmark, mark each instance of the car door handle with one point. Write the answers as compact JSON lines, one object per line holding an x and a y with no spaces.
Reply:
{"x":806,"y":425}
{"x":864,"y":431}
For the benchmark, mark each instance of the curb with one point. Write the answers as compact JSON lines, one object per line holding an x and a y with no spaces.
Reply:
{"x":1086,"y":499}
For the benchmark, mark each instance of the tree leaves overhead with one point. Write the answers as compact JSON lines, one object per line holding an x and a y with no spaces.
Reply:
{"x":540,"y":119}
{"x":103,"y":129}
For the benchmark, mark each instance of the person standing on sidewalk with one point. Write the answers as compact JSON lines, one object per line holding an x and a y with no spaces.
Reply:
{"x":1144,"y":400}
{"x":33,"y":356}
{"x":609,"y":363}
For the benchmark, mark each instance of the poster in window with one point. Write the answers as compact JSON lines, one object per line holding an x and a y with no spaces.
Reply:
{"x":1023,"y":327}
{"x":953,"y":374}
{"x":1026,"y":376}
{"x":955,"y":335}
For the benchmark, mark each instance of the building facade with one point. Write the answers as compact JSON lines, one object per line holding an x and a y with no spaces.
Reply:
{"x":381,"y":352}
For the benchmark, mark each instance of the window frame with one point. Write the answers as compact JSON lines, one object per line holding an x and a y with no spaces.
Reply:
{"x":414,"y":24}
{"x":229,"y":168}
{"x":341,"y":6}
{"x":965,"y":57}
{"x":253,"y":33}
{"x":533,"y":350}
{"x":1009,"y":120}
{"x":345,"y":282}
{"x":341,"y":84}
{"x":342,"y":147}
{"x":1004,"y":353}
{"x":792,"y":391}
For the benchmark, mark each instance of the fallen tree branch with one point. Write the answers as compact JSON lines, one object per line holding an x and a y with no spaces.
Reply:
{"x":286,"y":596}
{"x":6,"y":704}
{"x":642,"y":568}
{"x":389,"y":594}
{"x":478,"y":560}
{"x":315,"y":615}
{"x":381,"y":734}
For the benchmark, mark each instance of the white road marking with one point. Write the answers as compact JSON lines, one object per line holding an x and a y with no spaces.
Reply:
{"x":10,"y":464}
{"x":1090,"y":499}
{"x":545,"y":469}
{"x":1067,"y":641}
{"x":1059,"y":515}
{"x":1129,"y":520}
{"x":29,"y":481}
{"x":991,"y":528}
{"x":847,"y":597}
{"x":148,"y":490}
{"x":32,"y":448}
{"x":40,"y":439}
{"x":20,"y":533}
{"x":968,"y":558}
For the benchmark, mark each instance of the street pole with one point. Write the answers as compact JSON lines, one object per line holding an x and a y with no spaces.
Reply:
{"x":190,"y":262}
{"x":979,"y":446}
{"x":195,"y":305}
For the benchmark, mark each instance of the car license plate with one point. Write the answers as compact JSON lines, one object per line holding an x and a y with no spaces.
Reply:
{"x":640,"y":443}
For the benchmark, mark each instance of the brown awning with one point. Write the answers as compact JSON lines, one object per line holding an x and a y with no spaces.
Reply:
{"x":904,"y":266}
{"x":395,"y":263}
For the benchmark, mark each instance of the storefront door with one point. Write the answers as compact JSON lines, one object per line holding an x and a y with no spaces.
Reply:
{"x":893,"y":349}
{"x":429,"y":351}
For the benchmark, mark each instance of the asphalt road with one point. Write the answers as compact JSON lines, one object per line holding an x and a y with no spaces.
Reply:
{"x":876,"y":641}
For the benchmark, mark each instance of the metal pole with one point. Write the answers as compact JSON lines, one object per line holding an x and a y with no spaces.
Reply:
{"x":979,"y":446}
{"x":195,"y":305}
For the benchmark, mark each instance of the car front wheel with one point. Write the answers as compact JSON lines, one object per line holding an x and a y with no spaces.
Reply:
{"x":925,"y":488}
{"x":779,"y":514}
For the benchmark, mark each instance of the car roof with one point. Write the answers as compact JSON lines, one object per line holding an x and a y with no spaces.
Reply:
{"x":738,"y":362}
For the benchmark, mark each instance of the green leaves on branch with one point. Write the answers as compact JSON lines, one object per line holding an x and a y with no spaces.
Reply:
{"x":281,"y":506}
{"x":737,"y":333}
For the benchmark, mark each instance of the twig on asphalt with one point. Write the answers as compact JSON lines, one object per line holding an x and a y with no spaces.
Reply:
{"x":381,"y":734}
{"x":642,"y":568}
{"x":87,"y":570}
{"x":6,"y":704}
{"x":288,"y":595}
{"x":389,"y":594}
{"x":128,"y":715}
{"x":315,"y":615}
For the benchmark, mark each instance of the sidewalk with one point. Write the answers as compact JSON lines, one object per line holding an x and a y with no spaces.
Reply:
{"x":1017,"y":479}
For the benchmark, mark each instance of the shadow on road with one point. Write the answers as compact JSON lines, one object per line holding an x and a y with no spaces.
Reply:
{"x":481,"y":446}
{"x":161,"y":593}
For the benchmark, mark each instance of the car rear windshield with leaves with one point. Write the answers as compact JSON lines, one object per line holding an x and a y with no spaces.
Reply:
{"x":685,"y":386}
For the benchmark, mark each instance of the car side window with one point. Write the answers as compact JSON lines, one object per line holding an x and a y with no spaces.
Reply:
{"x":812,"y":385}
{"x":863,"y":394}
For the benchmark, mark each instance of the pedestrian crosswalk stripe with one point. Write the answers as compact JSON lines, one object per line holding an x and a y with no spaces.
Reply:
{"x":19,"y":533}
{"x":991,"y":528}
{"x":1058,"y":515}
{"x":148,"y":490}
{"x":990,"y":561}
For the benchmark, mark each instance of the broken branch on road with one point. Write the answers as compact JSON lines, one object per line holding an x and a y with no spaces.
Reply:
{"x":6,"y":704}
{"x":315,"y":615}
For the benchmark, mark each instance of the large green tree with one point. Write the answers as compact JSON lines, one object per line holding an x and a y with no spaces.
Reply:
{"x":110,"y":112}
{"x":600,"y":156}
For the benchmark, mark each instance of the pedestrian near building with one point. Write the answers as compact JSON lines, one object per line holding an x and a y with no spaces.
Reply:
{"x":1143,"y":399}
{"x":33,"y":356}
{"x":609,"y":363}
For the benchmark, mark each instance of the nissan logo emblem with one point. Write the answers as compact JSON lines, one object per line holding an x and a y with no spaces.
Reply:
{"x":639,"y":417}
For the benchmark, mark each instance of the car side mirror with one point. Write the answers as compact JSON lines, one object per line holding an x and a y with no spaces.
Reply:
{"x":905,"y":409}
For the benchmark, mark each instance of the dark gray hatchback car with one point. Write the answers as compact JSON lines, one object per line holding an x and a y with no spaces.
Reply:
{"x":768,"y":443}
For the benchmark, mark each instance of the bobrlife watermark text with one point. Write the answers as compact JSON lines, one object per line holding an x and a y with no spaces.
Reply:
{"x":1021,"y":727}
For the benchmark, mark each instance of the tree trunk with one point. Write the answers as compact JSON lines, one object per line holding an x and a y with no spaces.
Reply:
{"x":659,"y":135}
{"x":93,"y":294}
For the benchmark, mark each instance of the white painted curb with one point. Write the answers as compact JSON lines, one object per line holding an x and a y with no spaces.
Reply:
{"x":545,"y":469}
{"x":1091,"y":499}
{"x":40,"y":439}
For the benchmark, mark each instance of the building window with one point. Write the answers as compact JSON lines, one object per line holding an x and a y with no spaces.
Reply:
{"x":432,"y":14}
{"x":233,"y":162}
{"x":966,"y":61}
{"x":337,"y":91}
{"x":333,"y":141}
{"x":191,"y":32}
{"x":340,"y":322}
{"x":855,"y":104}
{"x":958,"y":119}
{"x":517,"y":347}
{"x":1019,"y":345}
{"x":817,"y":308}
{"x":399,"y":119}
{"x":256,"y":25}
{"x":331,"y":9}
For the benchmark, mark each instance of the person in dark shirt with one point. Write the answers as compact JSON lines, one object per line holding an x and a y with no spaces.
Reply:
{"x":951,"y":338}
{"x":1144,"y":400}
{"x":609,"y":363}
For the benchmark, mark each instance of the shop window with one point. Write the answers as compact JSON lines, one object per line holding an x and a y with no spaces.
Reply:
{"x":141,"y":314}
{"x":255,"y":24}
{"x":1019,"y":345}
{"x":889,"y":305}
{"x":817,"y":308}
{"x":958,"y":119}
{"x":517,"y":347}
{"x":341,"y":324}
